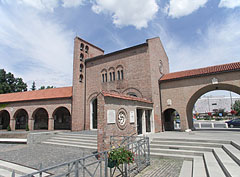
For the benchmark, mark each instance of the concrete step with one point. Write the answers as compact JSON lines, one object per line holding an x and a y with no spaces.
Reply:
{"x":193,"y":140}
{"x":199,"y":169}
{"x":72,"y":145}
{"x":229,"y":166}
{"x":213,"y":145}
{"x":13,"y":141}
{"x":7,"y":168}
{"x":172,"y":156}
{"x":8,"y":173}
{"x":179,"y":147}
{"x":213,"y":168}
{"x":73,"y":142}
{"x":74,"y":139}
{"x":186,"y":170}
{"x":76,"y":135}
{"x":173,"y":151}
{"x":233,"y":152}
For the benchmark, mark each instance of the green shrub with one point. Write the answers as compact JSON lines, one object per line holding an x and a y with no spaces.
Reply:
{"x":27,"y":128}
{"x":8,"y":128}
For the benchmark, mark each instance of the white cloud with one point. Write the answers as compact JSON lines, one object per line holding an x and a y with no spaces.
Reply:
{"x":229,"y":3}
{"x":179,"y":8}
{"x":125,"y":12}
{"x":35,"y":47}
{"x":72,"y":3}
{"x":218,"y":44}
{"x":48,"y":5}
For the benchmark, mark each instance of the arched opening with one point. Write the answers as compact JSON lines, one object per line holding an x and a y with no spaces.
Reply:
{"x":40,"y":119}
{"x":62,"y":119}
{"x":4,"y":119}
{"x":93,"y":114}
{"x":171,"y":120}
{"x":216,"y":107}
{"x":21,"y":117}
{"x":81,"y":46}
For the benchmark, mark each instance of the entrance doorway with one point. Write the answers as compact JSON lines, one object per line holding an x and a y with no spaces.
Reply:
{"x":170,"y":116}
{"x":4,"y":119}
{"x":139,"y":121}
{"x":148,"y":120}
{"x":93,"y":107}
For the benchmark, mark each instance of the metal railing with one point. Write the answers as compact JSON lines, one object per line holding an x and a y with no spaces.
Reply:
{"x":97,"y":164}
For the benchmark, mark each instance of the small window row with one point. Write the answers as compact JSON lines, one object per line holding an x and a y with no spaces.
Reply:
{"x":112,"y":76}
{"x":84,"y":48}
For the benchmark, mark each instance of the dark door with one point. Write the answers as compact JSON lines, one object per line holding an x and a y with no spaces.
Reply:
{"x":139,"y":121}
{"x":94,"y":114}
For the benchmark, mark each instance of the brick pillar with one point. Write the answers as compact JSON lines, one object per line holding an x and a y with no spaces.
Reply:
{"x":12,"y":124}
{"x":102,"y":123}
{"x":50,"y":124}
{"x":183,"y":119}
{"x":31,"y":124}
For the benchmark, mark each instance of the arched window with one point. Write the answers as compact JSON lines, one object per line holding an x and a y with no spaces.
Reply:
{"x":120,"y":72}
{"x":81,"y":46}
{"x":81,"y":67}
{"x":103,"y":78}
{"x":81,"y":57}
{"x":86,"y":49}
{"x":110,"y":76}
{"x":113,"y":75}
{"x":81,"y":78}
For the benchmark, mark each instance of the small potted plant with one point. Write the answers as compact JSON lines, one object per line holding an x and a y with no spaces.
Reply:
{"x":120,"y":156}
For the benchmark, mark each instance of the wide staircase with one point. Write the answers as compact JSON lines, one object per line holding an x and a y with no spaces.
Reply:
{"x":202,"y":157}
{"x":86,"y":140}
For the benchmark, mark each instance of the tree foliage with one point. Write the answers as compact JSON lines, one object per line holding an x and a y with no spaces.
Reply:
{"x":236,"y":107}
{"x":10,"y":84}
{"x":33,"y":86}
{"x":43,"y":87}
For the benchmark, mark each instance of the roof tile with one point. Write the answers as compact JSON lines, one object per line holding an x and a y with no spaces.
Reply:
{"x":201,"y":71}
{"x":63,"y":92}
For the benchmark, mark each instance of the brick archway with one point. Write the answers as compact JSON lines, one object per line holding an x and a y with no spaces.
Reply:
{"x":21,"y":119}
{"x":4,"y":119}
{"x":62,"y":119}
{"x":40,"y":116}
{"x":201,"y":92}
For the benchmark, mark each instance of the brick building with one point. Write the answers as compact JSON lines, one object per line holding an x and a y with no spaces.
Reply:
{"x":124,"y":92}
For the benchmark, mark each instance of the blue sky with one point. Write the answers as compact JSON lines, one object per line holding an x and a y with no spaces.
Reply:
{"x":36,"y":36}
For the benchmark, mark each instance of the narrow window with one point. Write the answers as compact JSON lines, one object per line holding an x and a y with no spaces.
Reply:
{"x":122,"y":74}
{"x":118,"y":75}
{"x":81,"y":57}
{"x":86,"y":49}
{"x":81,"y":67}
{"x":105,"y":77}
{"x":110,"y":76}
{"x":80,"y":78}
{"x":102,"y":77}
{"x":81,"y":46}
{"x":113,"y":75}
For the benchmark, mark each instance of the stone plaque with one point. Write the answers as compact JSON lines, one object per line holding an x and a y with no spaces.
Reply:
{"x":169,"y":102}
{"x":132,"y":118}
{"x":111,"y":114}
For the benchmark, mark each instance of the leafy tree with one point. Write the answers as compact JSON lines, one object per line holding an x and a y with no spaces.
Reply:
{"x":43,"y":87}
{"x":33,"y":86}
{"x":236,"y":107}
{"x":10,"y":84}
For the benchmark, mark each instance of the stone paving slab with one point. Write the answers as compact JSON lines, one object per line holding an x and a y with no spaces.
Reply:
{"x":162,"y":168}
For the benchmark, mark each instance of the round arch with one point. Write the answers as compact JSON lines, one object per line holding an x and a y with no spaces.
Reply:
{"x":21,"y":117}
{"x":168,"y":120}
{"x":4,"y":119}
{"x":131,"y":91}
{"x":40,"y":117}
{"x":62,"y":118}
{"x":202,"y":91}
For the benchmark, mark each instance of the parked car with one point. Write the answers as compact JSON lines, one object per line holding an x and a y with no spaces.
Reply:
{"x":233,"y":123}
